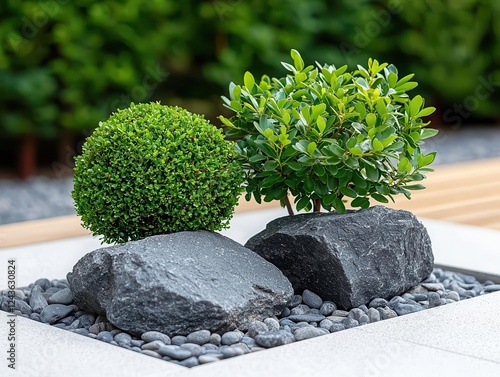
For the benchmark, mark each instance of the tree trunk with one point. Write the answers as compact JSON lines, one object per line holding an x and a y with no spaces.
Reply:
{"x":27,"y":157}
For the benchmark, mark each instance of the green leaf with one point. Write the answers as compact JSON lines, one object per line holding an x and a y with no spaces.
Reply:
{"x":297,"y":60}
{"x":328,"y":199}
{"x":415,"y":105}
{"x":317,"y":110}
{"x":408,"y":86}
{"x":402,"y":165}
{"x":360,"y":108}
{"x":339,"y":205}
{"x":414,"y":187}
{"x":392,"y":78}
{"x":426,"y":111}
{"x":348,"y":192}
{"x":270,"y":165}
{"x":428,"y":132}
{"x":428,"y":159}
{"x":265,"y":147}
{"x":371,"y":119}
{"x":311,"y":147}
{"x":377,"y":145}
{"x":248,"y":80}
{"x":352,"y":163}
{"x":361,"y":202}
{"x":302,"y":203}
{"x":309,"y":184}
{"x":381,"y":107}
{"x":372,"y":173}
{"x":356,"y":151}
{"x":380,"y":198}
{"x":321,"y":123}
{"x":257,"y":158}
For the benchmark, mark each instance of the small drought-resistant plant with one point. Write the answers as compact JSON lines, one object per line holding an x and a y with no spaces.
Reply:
{"x":153,"y":169}
{"x":323,"y":134}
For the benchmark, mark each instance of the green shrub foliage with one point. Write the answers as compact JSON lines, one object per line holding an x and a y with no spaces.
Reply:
{"x":324,"y":134}
{"x":153,"y":169}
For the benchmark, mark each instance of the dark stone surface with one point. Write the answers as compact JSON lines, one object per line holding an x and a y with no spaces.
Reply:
{"x":349,"y":258}
{"x":179,"y":283}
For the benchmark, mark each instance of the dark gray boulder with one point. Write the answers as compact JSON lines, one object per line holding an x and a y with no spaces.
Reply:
{"x":349,"y":258}
{"x":179,"y":283}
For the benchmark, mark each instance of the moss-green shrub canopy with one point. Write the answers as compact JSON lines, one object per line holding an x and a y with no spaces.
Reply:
{"x":153,"y":169}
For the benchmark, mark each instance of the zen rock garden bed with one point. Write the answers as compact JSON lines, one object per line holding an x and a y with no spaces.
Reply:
{"x":157,"y":181}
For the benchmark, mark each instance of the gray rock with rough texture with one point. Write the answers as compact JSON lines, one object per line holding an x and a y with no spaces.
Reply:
{"x":349,"y":258}
{"x":151,"y":284}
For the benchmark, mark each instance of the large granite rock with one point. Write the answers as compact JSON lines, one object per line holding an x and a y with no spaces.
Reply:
{"x":349,"y":258}
{"x":179,"y":283}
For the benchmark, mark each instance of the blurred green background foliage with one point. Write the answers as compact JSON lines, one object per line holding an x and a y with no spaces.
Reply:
{"x":66,"y":65}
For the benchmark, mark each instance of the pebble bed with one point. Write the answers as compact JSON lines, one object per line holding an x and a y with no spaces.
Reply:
{"x":306,"y":316}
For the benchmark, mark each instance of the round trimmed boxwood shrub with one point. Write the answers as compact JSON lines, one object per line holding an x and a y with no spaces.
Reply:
{"x":153,"y":169}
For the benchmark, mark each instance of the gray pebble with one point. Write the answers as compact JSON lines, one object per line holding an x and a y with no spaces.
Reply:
{"x":232,"y":352}
{"x":105,"y":336}
{"x":198,"y":337}
{"x":54,"y":312}
{"x":326,"y":324}
{"x":386,"y":313}
{"x":179,"y":339}
{"x":373,"y":315}
{"x":272,"y":324}
{"x":402,"y":308}
{"x":175,"y":352}
{"x":153,"y":345}
{"x":434,"y":300}
{"x":492,"y":288}
{"x":115,"y":332}
{"x":489,"y":282}
{"x":307,"y":318}
{"x":37,"y":301}
{"x":210,"y":347}
{"x":195,"y":349}
{"x":137,"y":342}
{"x":327,"y":308}
{"x":35,"y":317}
{"x":205,"y":359}
{"x":75,"y":325}
{"x":250,"y":342}
{"x":96,"y":328}
{"x":285,"y":312}
{"x":123,"y":338}
{"x":311,"y":299}
{"x":149,"y":336}
{"x":190,"y":362}
{"x":433,"y":286}
{"x":420,"y":296}
{"x":255,"y":328}
{"x":101,"y":318}
{"x":215,"y":339}
{"x":81,"y":331}
{"x":87,"y":320}
{"x":378,"y":303}
{"x":355,"y":313}
{"x":243,"y":346}
{"x":151,"y":353}
{"x":64,"y":296}
{"x":337,"y":327}
{"x":309,"y":332}
{"x":364,"y":319}
{"x":294,"y":301}
{"x":349,"y":323}
{"x":231,"y":337}
{"x":300,"y":309}
{"x":314,"y":311}
{"x":23,"y":307}
{"x":340,"y":313}
{"x":450,"y":295}
{"x":43,"y":283}
{"x":274,"y":339}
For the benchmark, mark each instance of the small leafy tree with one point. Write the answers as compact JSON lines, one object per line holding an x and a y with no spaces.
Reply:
{"x":324,"y":133}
